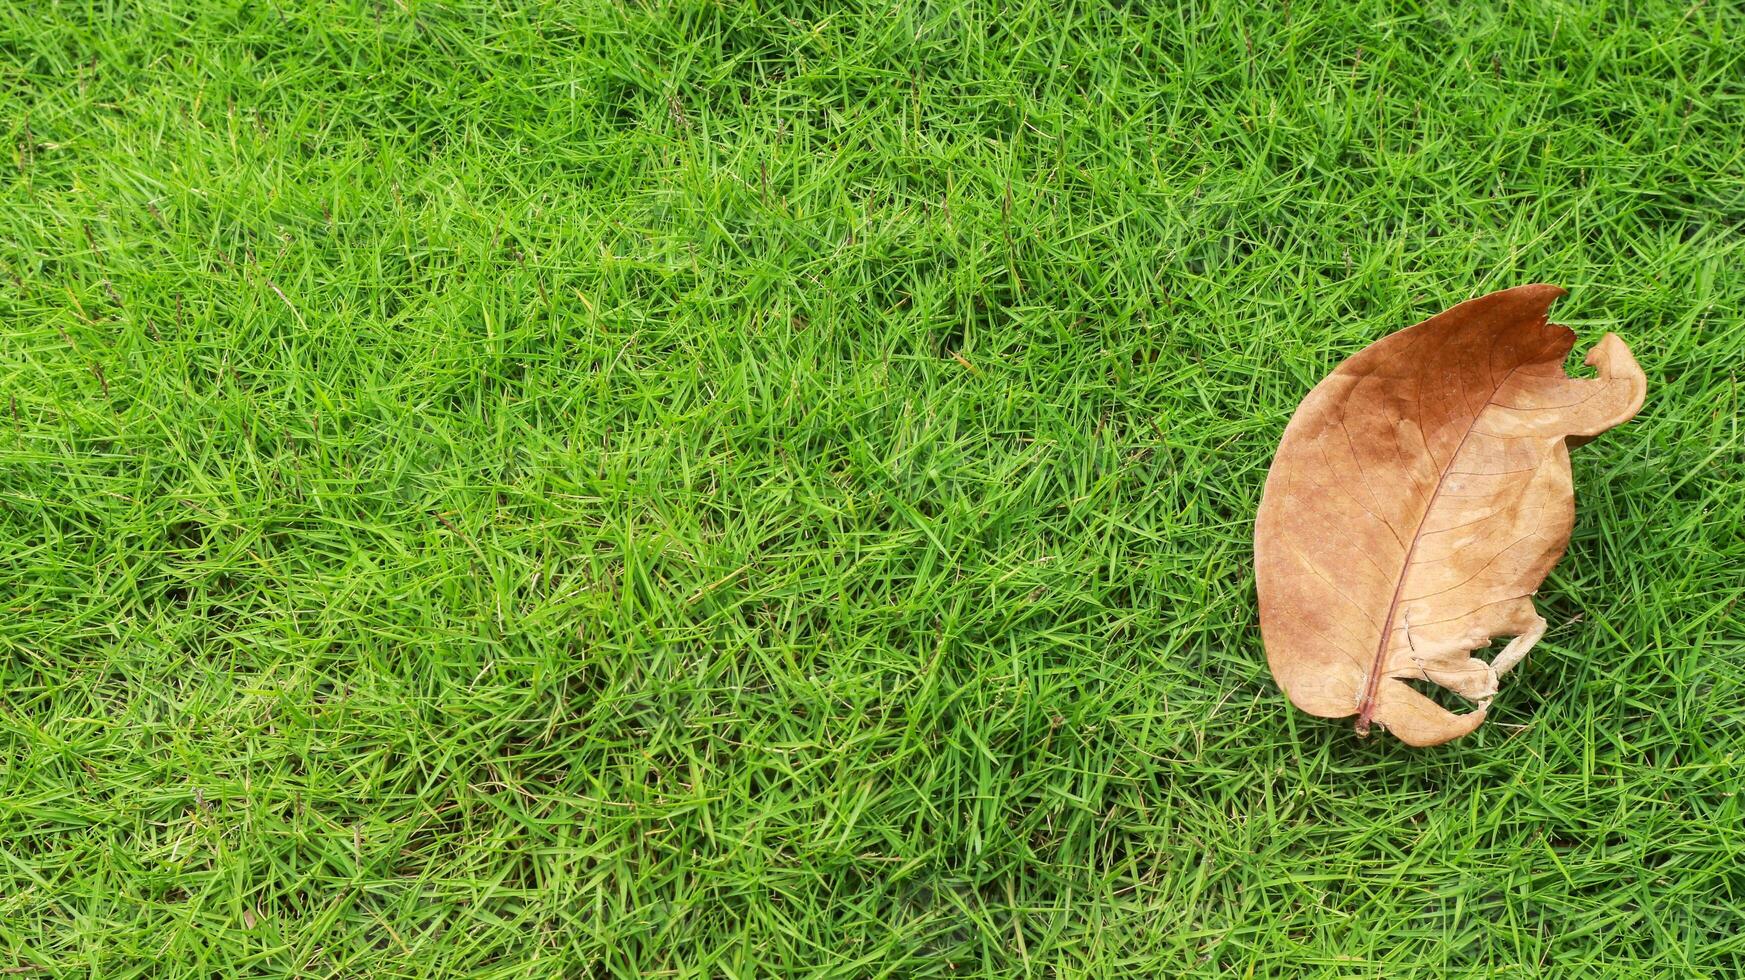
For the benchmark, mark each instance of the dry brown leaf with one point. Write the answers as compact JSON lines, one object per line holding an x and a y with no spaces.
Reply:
{"x":1419,"y":496}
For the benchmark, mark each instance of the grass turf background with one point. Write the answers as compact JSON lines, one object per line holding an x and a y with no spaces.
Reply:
{"x":741,"y":489}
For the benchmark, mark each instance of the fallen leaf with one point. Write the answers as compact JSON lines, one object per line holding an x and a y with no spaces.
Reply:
{"x":1419,"y":496}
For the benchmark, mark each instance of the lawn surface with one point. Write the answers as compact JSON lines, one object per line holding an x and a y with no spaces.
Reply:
{"x":748,"y":489}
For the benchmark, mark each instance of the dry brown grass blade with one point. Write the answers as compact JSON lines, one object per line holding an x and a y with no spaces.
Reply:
{"x":1420,"y":495}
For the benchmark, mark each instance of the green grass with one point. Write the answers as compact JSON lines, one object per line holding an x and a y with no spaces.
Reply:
{"x":754,"y":489}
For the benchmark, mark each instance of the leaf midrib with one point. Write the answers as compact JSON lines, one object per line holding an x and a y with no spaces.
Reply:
{"x":1372,"y":686}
